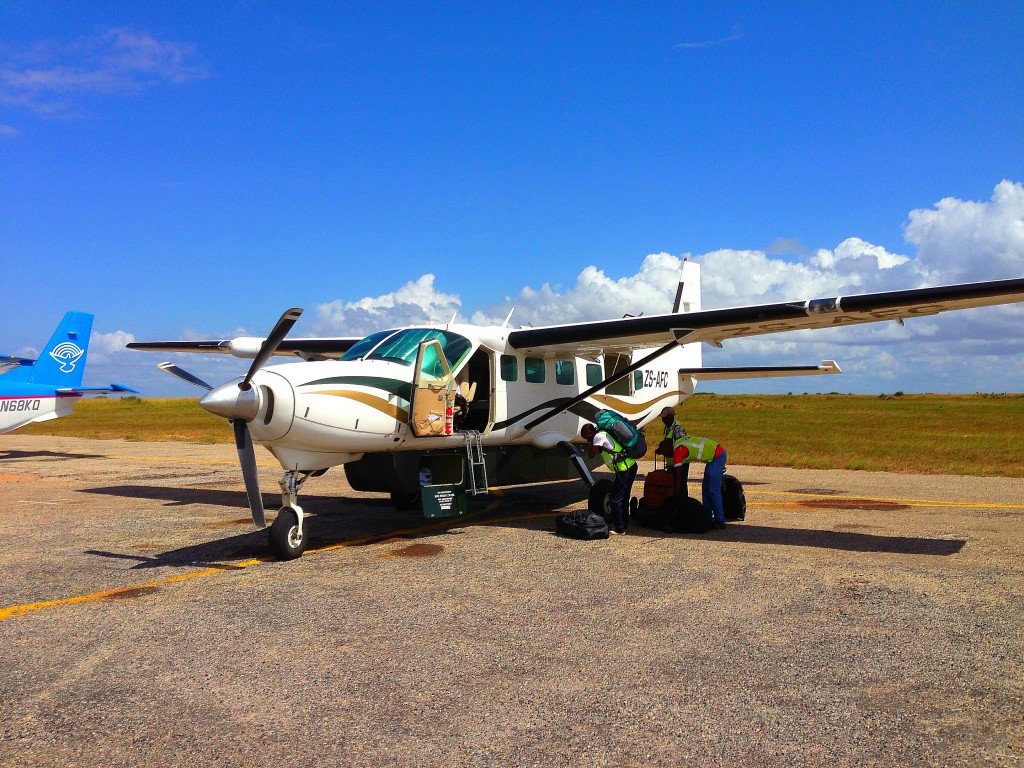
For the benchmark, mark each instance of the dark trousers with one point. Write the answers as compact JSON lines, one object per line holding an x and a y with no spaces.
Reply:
{"x":618,"y":498}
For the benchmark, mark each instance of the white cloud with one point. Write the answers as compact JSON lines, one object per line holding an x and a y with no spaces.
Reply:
{"x":47,"y":78}
{"x":975,"y":350}
{"x":968,"y":240}
{"x":418,"y":301}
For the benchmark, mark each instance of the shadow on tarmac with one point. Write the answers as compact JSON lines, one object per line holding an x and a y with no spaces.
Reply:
{"x":55,"y":455}
{"x":335,"y":520}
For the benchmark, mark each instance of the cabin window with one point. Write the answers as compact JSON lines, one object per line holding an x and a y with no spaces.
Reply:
{"x":509,"y":368}
{"x":565,"y":371}
{"x":638,"y":380}
{"x":593,"y":374}
{"x":534,"y":370}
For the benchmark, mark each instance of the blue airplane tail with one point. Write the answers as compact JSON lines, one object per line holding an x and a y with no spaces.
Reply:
{"x":62,"y":361}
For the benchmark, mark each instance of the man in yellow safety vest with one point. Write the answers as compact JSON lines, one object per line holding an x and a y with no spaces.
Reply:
{"x":689,"y":448}
{"x":623,"y":466}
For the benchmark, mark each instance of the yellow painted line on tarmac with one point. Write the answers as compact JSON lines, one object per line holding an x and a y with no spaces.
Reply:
{"x":893,"y":500}
{"x":20,"y":610}
{"x":185,"y":460}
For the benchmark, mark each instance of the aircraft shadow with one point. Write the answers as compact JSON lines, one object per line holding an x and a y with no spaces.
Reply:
{"x":14,"y":455}
{"x":335,"y":520}
{"x":842,"y":541}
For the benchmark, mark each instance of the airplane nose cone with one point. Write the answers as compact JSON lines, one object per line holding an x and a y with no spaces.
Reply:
{"x":229,"y":401}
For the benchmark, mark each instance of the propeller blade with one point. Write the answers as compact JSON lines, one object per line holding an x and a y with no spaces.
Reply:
{"x":184,"y":375}
{"x":284,"y":324}
{"x":247,"y":458}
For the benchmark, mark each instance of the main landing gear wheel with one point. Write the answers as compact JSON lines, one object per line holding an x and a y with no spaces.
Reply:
{"x":287,"y":538}
{"x":598,"y":502}
{"x":405,"y":501}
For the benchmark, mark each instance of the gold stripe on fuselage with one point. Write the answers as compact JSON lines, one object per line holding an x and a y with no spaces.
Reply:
{"x":373,"y":401}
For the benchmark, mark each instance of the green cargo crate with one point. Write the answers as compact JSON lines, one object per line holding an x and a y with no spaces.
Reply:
{"x":444,"y":500}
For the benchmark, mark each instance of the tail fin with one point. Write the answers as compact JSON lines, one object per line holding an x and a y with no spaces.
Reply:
{"x":62,"y":361}
{"x":688,"y":291}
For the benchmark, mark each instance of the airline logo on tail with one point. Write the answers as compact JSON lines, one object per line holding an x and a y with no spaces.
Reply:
{"x":67,"y":354}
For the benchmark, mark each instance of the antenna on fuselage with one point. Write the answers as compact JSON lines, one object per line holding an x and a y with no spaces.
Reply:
{"x":508,"y":317}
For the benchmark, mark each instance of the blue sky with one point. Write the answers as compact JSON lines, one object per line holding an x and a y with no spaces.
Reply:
{"x":190,"y":171}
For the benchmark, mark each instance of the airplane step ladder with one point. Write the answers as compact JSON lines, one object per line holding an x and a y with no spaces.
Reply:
{"x":477,"y":465}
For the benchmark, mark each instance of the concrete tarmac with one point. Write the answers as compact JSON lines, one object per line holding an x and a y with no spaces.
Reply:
{"x":853,"y":619}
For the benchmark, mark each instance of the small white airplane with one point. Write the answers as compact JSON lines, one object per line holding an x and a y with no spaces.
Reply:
{"x":478,"y":406}
{"x":44,"y":389}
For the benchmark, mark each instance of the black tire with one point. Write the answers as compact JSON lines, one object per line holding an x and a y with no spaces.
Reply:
{"x":405,"y":501}
{"x":734,"y":500}
{"x":598,"y":502}
{"x":287,"y":540}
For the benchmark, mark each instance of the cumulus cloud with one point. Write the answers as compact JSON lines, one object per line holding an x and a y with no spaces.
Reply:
{"x":955,"y":240}
{"x":416,"y":302}
{"x":968,"y":240}
{"x":47,"y":78}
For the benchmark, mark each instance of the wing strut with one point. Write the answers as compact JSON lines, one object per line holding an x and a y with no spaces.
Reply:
{"x":679,"y":333}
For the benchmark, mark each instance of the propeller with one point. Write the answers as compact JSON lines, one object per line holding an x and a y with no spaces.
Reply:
{"x":239,"y":404}
{"x":269,"y":347}
{"x":184,"y":375}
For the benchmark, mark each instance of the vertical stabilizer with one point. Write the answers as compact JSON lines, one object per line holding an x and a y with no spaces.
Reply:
{"x":688,"y":290}
{"x":62,"y":361}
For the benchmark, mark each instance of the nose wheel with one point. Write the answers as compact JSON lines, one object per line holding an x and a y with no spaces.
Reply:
{"x":288,"y":537}
{"x":287,"y":534}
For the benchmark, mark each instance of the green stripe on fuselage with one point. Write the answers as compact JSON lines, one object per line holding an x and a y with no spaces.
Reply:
{"x":402,"y":389}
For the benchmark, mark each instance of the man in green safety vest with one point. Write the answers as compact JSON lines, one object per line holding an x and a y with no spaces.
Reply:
{"x":689,"y":448}
{"x":623,"y":466}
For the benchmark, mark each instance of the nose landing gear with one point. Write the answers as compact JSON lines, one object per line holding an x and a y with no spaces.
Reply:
{"x":288,"y":536}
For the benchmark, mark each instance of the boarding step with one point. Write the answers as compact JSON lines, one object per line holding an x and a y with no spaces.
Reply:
{"x":477,"y":484}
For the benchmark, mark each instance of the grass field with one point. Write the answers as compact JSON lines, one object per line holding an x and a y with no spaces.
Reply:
{"x":928,"y":434}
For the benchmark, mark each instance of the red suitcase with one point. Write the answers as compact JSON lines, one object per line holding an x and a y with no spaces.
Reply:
{"x":659,"y":485}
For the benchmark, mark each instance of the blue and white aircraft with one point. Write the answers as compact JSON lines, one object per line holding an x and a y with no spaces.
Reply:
{"x":44,"y":389}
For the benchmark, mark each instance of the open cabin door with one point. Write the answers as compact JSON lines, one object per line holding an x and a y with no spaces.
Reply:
{"x":433,"y":392}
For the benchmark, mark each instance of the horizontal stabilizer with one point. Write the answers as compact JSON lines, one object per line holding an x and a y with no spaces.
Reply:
{"x":8,"y":363}
{"x":96,"y":390}
{"x":760,"y":372}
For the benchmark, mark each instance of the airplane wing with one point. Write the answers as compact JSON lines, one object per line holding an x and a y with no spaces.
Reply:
{"x":249,"y":346}
{"x":95,"y":390}
{"x":716,"y":325}
{"x":761,"y":371}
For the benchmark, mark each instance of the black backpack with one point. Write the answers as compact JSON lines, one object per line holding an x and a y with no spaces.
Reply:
{"x":582,"y":524}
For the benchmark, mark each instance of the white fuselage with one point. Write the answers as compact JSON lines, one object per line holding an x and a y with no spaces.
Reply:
{"x":31,"y":403}
{"x":314,"y":415}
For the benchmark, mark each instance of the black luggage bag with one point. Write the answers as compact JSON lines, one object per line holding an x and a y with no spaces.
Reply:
{"x":582,"y":524}
{"x":690,"y":517}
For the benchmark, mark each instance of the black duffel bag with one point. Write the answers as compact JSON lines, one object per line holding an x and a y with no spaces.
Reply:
{"x":582,"y":524}
{"x":688,"y":517}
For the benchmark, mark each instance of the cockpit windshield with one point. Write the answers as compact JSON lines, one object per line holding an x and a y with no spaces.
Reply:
{"x":400,"y":346}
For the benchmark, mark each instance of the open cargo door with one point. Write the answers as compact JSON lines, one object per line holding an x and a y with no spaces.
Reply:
{"x":433,"y":392}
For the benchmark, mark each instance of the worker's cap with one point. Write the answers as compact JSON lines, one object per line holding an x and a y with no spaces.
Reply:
{"x":664,"y":448}
{"x":668,"y":411}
